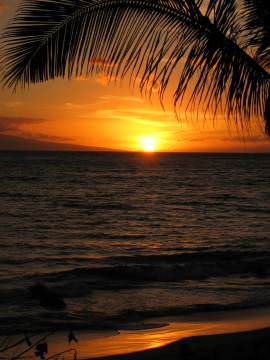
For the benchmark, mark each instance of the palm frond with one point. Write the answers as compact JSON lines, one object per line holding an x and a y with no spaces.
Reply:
{"x":258,"y":27}
{"x":195,"y":42}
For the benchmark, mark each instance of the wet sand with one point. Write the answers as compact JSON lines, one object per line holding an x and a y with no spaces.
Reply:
{"x":251,"y":345}
{"x":224,"y":335}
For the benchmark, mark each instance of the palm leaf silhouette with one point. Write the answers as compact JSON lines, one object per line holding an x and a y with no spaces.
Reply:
{"x":206,"y":45}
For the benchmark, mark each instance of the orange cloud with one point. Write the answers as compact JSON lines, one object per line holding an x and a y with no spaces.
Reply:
{"x":15,"y":126}
{"x":113,"y":98}
{"x":14,"y":123}
{"x":101,"y":62}
{"x":81,"y":78}
{"x":104,"y":79}
{"x":3,"y":7}
{"x":11,"y":104}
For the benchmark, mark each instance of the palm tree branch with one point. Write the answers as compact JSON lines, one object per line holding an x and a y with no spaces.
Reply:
{"x":258,"y":26}
{"x":54,"y":38}
{"x":12,"y":36}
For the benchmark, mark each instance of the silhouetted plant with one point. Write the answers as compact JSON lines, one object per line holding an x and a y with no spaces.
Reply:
{"x":72,"y":337}
{"x":217,"y":50}
{"x":15,"y":350}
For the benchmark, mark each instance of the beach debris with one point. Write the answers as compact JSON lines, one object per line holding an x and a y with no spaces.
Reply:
{"x":47,"y":298}
{"x":41,"y":350}
{"x":72,"y":337}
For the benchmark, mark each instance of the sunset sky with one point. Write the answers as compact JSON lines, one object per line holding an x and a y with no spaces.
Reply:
{"x":92,"y":113}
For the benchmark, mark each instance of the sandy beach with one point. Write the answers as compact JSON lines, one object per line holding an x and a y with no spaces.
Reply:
{"x":224,"y":335}
{"x":242,"y":335}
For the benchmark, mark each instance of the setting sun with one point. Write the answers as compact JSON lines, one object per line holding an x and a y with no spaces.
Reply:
{"x":148,"y":143}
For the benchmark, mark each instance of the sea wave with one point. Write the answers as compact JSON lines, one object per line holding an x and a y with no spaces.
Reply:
{"x":48,"y":321}
{"x":167,"y":268}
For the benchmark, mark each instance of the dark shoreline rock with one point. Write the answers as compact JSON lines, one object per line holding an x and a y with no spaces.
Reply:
{"x":47,"y":298}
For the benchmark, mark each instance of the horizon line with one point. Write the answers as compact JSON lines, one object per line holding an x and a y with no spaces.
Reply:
{"x":133,"y":152}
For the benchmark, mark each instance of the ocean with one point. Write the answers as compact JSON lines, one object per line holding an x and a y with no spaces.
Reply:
{"x":126,"y":238}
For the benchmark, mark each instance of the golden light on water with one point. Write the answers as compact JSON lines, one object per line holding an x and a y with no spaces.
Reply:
{"x":148,"y":143}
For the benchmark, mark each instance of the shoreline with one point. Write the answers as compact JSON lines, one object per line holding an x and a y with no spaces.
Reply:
{"x":203,"y":329}
{"x":252,"y":344}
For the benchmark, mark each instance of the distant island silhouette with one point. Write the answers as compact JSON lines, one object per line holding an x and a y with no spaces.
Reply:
{"x":16,"y":143}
